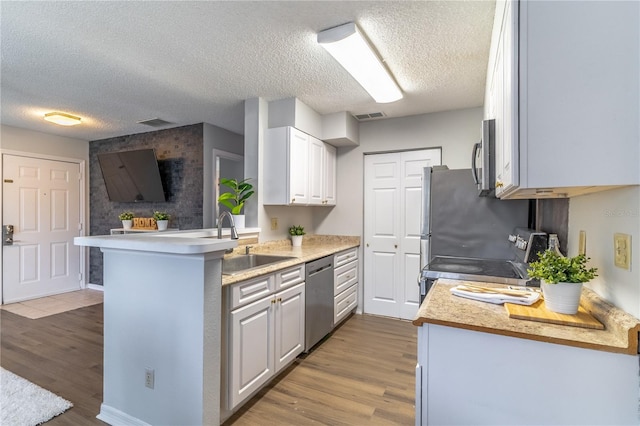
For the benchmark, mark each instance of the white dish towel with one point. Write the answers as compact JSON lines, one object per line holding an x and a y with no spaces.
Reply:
{"x":496,"y":297}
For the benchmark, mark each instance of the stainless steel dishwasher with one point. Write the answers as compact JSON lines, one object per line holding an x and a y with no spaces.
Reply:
{"x":318,"y":300}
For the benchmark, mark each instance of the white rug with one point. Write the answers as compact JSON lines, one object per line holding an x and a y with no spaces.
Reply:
{"x":23,"y":403}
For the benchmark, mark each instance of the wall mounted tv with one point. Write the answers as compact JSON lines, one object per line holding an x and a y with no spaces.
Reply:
{"x":132,"y":176}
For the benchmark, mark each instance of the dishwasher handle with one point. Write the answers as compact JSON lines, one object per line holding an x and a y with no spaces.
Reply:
{"x":320,"y":269}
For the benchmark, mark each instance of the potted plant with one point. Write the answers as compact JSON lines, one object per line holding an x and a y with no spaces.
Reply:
{"x":561,"y":280}
{"x":234,"y":200}
{"x":162,"y":220}
{"x":296,"y":233}
{"x":127,"y":219}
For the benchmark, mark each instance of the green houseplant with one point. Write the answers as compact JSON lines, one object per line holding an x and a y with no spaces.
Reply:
{"x":241,"y":191}
{"x":296,"y":232}
{"x":162,"y":220}
{"x":127,"y":219}
{"x":561,"y":279}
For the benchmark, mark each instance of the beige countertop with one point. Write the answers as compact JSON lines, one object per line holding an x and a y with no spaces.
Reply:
{"x":620,"y":334}
{"x":313,"y":247}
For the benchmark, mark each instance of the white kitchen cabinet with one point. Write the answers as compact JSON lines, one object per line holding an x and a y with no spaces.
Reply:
{"x":562,"y":86}
{"x":295,"y":169}
{"x":330,"y":171}
{"x":345,"y":282}
{"x":260,"y":335}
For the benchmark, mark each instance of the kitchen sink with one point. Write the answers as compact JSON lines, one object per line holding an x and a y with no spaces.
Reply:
{"x":245,"y":262}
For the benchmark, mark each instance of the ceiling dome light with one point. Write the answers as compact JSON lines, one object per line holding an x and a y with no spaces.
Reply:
{"x":349,"y":47}
{"x":62,"y":119}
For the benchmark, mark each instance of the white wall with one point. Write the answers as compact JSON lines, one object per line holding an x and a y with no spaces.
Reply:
{"x":454,"y":131}
{"x":601,"y":215}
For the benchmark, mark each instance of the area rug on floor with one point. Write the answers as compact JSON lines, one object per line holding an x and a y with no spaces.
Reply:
{"x":23,"y":403}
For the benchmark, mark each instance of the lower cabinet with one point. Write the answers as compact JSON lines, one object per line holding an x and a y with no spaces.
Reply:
{"x":262,"y":337}
{"x":345,"y":282}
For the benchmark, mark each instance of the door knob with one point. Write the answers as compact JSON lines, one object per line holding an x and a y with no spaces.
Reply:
{"x":395,"y":246}
{"x":7,"y":235}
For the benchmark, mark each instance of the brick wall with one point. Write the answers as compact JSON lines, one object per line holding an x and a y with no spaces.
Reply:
{"x":180,"y":159}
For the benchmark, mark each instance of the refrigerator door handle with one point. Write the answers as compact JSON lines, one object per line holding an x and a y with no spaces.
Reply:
{"x":474,"y":168}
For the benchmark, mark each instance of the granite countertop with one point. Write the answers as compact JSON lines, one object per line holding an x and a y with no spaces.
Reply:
{"x":313,"y":247}
{"x":620,"y":334}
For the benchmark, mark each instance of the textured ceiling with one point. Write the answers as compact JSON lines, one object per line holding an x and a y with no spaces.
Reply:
{"x":116,"y":63}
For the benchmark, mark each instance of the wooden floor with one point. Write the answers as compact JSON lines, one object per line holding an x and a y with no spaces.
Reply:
{"x":362,"y":374}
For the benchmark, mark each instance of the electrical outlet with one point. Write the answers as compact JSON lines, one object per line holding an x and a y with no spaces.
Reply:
{"x":622,"y":250}
{"x":582,"y":243}
{"x":274,"y":223}
{"x":149,"y":377}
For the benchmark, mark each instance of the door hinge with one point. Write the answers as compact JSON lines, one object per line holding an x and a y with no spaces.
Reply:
{"x":80,"y":276}
{"x":80,"y":176}
{"x":79,"y":227}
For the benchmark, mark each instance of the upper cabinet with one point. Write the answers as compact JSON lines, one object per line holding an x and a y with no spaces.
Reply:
{"x":563,"y":87}
{"x":298,"y":169}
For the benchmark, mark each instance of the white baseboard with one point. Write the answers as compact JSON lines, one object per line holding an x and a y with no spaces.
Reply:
{"x":95,"y":287}
{"x":115,"y":417}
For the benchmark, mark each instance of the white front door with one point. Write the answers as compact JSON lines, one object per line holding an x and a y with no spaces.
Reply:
{"x":41,"y":199}
{"x":392,"y":192}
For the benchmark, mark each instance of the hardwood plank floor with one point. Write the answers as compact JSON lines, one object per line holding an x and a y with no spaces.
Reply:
{"x":362,"y":374}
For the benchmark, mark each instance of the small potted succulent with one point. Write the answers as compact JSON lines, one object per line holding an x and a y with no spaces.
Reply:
{"x":296,"y":232}
{"x":127,"y":219}
{"x":561,"y":280}
{"x":162,"y":220}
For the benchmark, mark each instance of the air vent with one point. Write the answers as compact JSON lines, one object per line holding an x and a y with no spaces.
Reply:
{"x":154,"y":122}
{"x":369,"y":116}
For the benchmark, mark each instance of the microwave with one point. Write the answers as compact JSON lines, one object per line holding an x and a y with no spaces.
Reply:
{"x":483,"y":160}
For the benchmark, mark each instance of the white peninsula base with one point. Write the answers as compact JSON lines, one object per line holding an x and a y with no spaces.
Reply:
{"x":162,"y":305}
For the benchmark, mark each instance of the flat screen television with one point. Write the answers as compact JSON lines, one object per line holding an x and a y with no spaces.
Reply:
{"x":132,"y":176}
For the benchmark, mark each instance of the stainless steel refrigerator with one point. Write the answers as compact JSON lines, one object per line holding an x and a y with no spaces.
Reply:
{"x":462,"y":232}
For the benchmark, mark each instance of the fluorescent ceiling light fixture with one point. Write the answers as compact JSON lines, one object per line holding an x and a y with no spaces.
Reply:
{"x":348,"y":46}
{"x":62,"y":119}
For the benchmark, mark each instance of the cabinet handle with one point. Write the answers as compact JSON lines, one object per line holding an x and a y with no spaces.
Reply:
{"x":273,"y":301}
{"x":280,"y":299}
{"x":395,"y":246}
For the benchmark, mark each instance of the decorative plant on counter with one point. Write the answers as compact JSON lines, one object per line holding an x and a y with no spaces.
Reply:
{"x":297,"y":230}
{"x":161,"y":215}
{"x":126,"y":216}
{"x":561,"y":280}
{"x":241,"y":191}
{"x":554,"y":268}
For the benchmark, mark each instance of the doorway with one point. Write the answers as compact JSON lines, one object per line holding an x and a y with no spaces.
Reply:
{"x":392,"y":193}
{"x":41,"y":198}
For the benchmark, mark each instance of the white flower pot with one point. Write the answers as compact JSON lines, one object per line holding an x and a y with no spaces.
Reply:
{"x":162,"y":225}
{"x":238,"y":220}
{"x":127,"y":224}
{"x":296,"y":240}
{"x":563,"y":298}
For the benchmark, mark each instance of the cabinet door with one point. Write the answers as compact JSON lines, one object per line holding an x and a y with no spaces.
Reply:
{"x":289,"y":325}
{"x":316,"y":171}
{"x":251,"y":349}
{"x":329,"y":186}
{"x":298,"y":167}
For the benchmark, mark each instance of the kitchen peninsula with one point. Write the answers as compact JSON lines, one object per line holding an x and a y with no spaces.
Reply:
{"x":478,"y":366}
{"x":162,"y":304}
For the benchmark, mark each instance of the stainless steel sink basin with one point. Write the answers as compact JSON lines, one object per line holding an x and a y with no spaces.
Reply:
{"x":245,"y":262}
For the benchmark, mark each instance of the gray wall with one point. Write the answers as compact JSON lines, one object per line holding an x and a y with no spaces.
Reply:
{"x":180,"y":158}
{"x":454,"y":131}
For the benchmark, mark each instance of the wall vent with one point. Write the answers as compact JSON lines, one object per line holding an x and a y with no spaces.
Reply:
{"x":369,"y":116}
{"x":154,"y":122}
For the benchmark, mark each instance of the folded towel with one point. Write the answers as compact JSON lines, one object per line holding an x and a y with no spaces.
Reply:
{"x":496,"y":297}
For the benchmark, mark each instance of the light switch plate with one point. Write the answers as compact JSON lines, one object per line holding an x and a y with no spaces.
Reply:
{"x":622,"y":250}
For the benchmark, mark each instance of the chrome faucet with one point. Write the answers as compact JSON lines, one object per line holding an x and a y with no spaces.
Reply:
{"x":234,"y":233}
